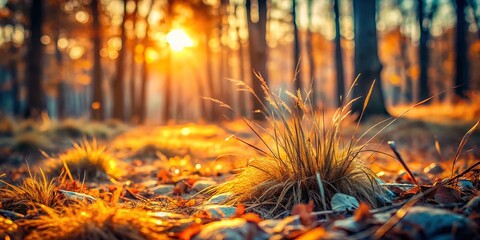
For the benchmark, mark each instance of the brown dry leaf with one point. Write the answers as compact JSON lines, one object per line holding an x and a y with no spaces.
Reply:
{"x":304,"y":213}
{"x":180,"y":188}
{"x":362,"y":213}
{"x":316,"y":233}
{"x":446,"y":195}
{"x":164,"y":176}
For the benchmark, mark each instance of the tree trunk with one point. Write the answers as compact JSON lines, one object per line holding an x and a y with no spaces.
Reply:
{"x":242,"y":95}
{"x":424,"y":87}
{"x":338,"y":56}
{"x":297,"y":73}
{"x":98,"y":102}
{"x":133,"y":70}
{"x":142,"y":108}
{"x":35,"y":99}
{"x":461,"y":46}
{"x":118,"y":83}
{"x":310,"y":58}
{"x":168,"y":89}
{"x":258,"y":53}
{"x":366,"y":61}
{"x":210,"y":84}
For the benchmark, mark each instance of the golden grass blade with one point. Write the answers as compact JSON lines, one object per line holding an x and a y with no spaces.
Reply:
{"x":462,"y":145}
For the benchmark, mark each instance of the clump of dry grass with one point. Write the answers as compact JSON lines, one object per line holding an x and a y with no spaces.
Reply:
{"x":304,"y":158}
{"x":31,"y":192}
{"x":28,"y":142}
{"x":95,"y":221}
{"x":86,"y":159}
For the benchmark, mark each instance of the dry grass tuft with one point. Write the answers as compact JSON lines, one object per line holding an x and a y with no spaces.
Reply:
{"x":28,"y":142}
{"x":31,"y":192}
{"x":87,"y":159}
{"x":304,"y":158}
{"x":95,"y":221}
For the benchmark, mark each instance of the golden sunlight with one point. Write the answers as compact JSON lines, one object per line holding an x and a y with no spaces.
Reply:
{"x":178,"y":39}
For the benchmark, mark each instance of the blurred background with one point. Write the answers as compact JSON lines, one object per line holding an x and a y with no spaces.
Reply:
{"x":153,"y":61}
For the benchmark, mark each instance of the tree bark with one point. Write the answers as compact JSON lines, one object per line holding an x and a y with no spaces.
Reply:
{"x":35,"y":98}
{"x":311,"y":59}
{"x":98,"y":102}
{"x":258,"y":51}
{"x":461,"y":46}
{"x":366,"y":61}
{"x":424,"y":87}
{"x":297,"y":73}
{"x":338,"y":56}
{"x":119,"y":81}
{"x":133,"y":70}
{"x":142,"y":108}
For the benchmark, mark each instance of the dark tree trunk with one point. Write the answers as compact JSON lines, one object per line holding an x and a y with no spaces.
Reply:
{"x":242,"y":95}
{"x":60,"y":83}
{"x":366,"y":60}
{"x":424,"y":87}
{"x":98,"y":102}
{"x":167,"y":101}
{"x":338,"y":56}
{"x":407,"y":91}
{"x":258,"y":52}
{"x":35,"y":99}
{"x":119,"y":81}
{"x":133,"y":70}
{"x":297,"y":73}
{"x":461,"y":46}
{"x":142,"y":108}
{"x":210,"y":84}
{"x":310,"y":58}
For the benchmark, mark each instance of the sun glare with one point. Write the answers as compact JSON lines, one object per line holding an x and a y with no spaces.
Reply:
{"x":178,"y":40}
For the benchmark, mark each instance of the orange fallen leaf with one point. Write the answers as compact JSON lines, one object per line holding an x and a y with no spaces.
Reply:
{"x":304,"y":213}
{"x":362,"y":213}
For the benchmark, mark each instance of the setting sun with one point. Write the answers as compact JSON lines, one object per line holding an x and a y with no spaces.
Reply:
{"x":178,"y":39}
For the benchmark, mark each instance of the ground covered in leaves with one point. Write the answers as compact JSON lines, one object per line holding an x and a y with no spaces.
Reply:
{"x":80,"y":180}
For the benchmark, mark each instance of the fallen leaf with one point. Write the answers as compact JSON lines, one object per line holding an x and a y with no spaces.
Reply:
{"x":446,"y":195}
{"x":362,"y":213}
{"x":303,"y":211}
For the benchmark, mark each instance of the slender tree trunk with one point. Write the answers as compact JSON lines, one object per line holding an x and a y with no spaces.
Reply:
{"x":210,"y":82}
{"x":311,"y":59}
{"x":119,"y":81}
{"x":461,"y":46}
{"x":297,"y":73}
{"x":338,"y":56}
{"x":258,"y":51}
{"x":366,"y":60}
{"x":167,"y":110}
{"x":242,"y":95}
{"x":60,"y":83}
{"x":407,"y":91}
{"x":142,"y":108}
{"x":424,"y":88}
{"x":98,"y":102}
{"x":133,"y":70}
{"x":35,"y":99}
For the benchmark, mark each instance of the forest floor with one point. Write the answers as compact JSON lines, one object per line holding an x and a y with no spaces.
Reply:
{"x":123,"y":182}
